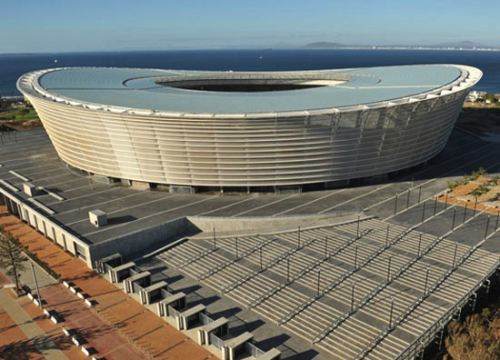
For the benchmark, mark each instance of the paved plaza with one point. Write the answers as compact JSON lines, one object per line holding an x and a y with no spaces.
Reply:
{"x":30,"y":155}
{"x":391,"y":263}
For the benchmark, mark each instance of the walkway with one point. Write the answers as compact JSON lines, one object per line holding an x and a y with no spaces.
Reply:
{"x":139,"y":326}
{"x":26,"y":334}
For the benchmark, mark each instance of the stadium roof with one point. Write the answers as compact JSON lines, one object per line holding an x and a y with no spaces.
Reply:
{"x":158,"y":90}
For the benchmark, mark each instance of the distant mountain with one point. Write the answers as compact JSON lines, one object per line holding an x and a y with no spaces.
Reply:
{"x":324,"y":45}
{"x":458,"y":45}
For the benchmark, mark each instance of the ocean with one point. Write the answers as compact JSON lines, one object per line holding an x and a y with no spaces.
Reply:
{"x":13,"y":66}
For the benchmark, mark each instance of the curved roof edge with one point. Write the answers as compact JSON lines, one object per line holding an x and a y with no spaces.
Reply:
{"x":29,"y":84}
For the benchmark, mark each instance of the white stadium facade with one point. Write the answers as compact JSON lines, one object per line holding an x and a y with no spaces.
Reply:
{"x":251,"y":131}
{"x":349,"y":274}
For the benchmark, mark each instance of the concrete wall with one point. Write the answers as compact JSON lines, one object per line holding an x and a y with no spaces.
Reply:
{"x":251,"y":225}
{"x":128,"y":245}
{"x":140,"y":241}
{"x":47,"y":226}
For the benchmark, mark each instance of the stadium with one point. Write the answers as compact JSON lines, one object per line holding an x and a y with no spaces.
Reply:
{"x":354,"y":272}
{"x":248,"y":131}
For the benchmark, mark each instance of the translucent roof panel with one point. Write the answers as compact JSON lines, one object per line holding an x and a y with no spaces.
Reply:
{"x":137,"y":88}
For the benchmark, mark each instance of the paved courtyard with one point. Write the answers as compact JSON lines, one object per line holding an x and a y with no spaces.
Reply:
{"x":30,"y":155}
{"x":330,"y":292}
{"x":25,"y":333}
{"x":141,"y":333}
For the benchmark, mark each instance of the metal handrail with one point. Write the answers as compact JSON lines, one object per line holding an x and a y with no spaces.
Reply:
{"x":430,"y":332}
{"x":273,"y":262}
{"x":378,"y":289}
{"x":197,"y":257}
{"x":305,"y":271}
{"x":224,"y":265}
{"x":341,"y":279}
{"x":415,"y":304}
{"x":347,"y":274}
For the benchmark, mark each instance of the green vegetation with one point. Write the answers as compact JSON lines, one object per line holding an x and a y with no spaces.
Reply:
{"x":453,"y":184}
{"x":491,"y":98}
{"x":19,"y":114}
{"x":477,"y":337}
{"x":11,"y":257}
{"x":480,"y":190}
{"x":4,"y":104}
{"x":18,"y":111}
{"x":468,"y":178}
{"x":476,"y":174}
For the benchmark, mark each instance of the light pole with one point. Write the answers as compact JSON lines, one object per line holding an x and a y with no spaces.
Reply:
{"x":36,"y":283}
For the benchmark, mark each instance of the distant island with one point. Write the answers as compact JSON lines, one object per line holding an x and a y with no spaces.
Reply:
{"x":460,"y":45}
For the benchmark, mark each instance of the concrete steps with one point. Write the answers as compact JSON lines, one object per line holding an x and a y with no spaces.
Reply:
{"x":317,"y":250}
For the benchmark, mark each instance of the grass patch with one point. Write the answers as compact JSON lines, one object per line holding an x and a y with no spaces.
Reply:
{"x":19,"y":115}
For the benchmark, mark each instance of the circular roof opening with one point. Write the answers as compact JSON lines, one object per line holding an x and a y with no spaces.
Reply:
{"x":247,"y":83}
{"x":240,"y":86}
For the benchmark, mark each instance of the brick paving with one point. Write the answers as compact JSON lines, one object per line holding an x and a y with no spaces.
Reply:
{"x":15,"y":344}
{"x":146,"y":331}
{"x":97,"y":333}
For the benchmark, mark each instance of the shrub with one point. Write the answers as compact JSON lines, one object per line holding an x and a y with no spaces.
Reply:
{"x":480,"y":190}
{"x":476,"y":174}
{"x":476,"y":338}
{"x":452,"y":184}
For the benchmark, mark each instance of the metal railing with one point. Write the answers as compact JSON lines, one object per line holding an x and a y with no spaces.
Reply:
{"x":423,"y":340}
{"x":415,"y":304}
{"x":306,"y":270}
{"x":347,"y":274}
{"x":244,"y":254}
{"x":342,"y":278}
{"x":390,"y":279}
{"x":271,"y":263}
{"x":200,"y":255}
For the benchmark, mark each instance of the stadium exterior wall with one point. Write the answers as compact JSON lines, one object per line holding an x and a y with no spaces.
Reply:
{"x":253,"y":150}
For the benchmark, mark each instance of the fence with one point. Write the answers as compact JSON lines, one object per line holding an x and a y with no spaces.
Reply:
{"x":421,"y":342}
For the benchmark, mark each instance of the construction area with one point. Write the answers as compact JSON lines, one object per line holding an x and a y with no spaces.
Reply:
{"x":368,"y":271}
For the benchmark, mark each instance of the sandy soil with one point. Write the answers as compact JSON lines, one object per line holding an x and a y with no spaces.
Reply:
{"x":487,"y":202}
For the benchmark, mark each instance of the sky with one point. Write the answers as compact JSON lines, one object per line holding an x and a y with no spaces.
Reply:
{"x":99,"y":25}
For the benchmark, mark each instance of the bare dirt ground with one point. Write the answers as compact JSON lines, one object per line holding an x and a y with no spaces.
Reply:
{"x":482,"y":193}
{"x":21,"y":125}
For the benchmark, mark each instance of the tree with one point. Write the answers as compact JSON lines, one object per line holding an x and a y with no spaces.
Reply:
{"x":3,"y":104}
{"x":24,"y":111}
{"x":11,"y":257}
{"x":476,"y":338}
{"x":491,"y":98}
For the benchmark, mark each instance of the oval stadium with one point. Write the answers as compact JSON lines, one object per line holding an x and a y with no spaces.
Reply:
{"x":248,"y":131}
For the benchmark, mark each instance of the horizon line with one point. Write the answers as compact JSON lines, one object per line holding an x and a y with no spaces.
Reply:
{"x":347,"y":47}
